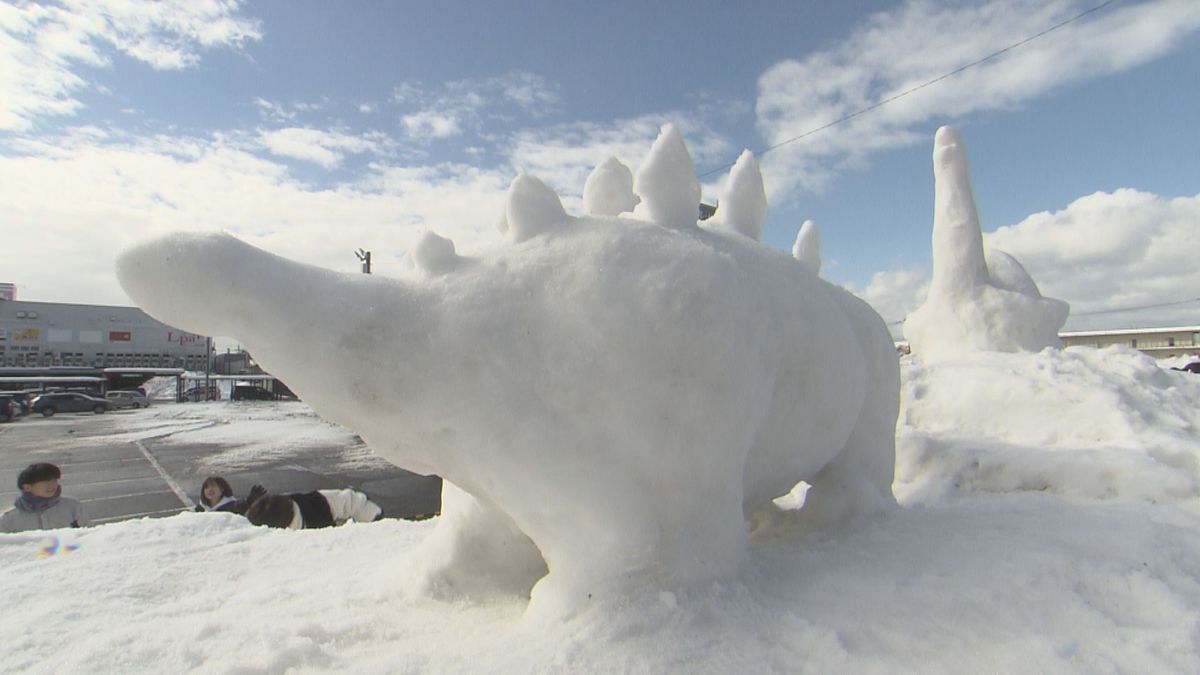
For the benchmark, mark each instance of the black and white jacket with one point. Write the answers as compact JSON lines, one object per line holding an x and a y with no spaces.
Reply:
{"x":326,"y":508}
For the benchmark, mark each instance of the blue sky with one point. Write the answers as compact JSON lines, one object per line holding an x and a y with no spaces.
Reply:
{"x":314,"y":128}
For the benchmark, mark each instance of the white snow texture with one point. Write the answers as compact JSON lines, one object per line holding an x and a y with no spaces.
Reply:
{"x":610,"y":397}
{"x":977,"y":301}
{"x":743,"y":200}
{"x":807,"y":248}
{"x":608,"y":190}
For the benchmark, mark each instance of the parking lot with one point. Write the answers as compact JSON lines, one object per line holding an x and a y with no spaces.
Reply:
{"x":151,"y":462}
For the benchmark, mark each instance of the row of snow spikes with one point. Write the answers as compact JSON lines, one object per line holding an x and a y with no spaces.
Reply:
{"x":666,"y":192}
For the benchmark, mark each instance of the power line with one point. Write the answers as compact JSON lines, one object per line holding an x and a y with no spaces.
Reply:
{"x":918,"y":87}
{"x":1135,"y":308}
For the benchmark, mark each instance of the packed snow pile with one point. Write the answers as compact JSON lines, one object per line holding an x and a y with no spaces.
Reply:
{"x":610,"y":395}
{"x":1109,"y":424}
{"x":977,"y":301}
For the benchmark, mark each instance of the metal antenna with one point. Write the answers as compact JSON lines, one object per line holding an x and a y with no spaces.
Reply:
{"x":365,"y":257}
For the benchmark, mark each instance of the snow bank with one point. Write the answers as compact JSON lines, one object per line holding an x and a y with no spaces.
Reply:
{"x":977,"y":301}
{"x":1010,"y":584}
{"x":1084,"y":423}
{"x":620,"y":392}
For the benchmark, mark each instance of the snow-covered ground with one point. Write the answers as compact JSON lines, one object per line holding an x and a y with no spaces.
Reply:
{"x":1049,"y":523}
{"x":242,"y":435}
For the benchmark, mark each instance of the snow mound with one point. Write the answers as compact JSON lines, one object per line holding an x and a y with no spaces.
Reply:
{"x":1020,"y":583}
{"x":977,"y":301}
{"x":1108,"y":424}
{"x":610,"y":396}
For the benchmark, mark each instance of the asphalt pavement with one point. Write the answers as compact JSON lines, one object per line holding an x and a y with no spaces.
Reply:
{"x":119,"y":479}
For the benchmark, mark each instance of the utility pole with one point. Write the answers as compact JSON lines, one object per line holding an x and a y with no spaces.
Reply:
{"x":365,"y":257}
{"x":208,"y":359}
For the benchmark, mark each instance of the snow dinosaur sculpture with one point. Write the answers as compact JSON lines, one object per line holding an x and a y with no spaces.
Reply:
{"x":608,"y":396}
{"x":976,"y":301}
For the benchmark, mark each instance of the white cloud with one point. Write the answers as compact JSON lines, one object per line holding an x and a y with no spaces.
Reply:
{"x":41,"y":46}
{"x":897,"y":50}
{"x":325,"y":148}
{"x":1104,"y":252}
{"x":83,"y":197}
{"x":1113,"y":250}
{"x":408,"y":92}
{"x":429,"y":124}
{"x":528,"y":91}
{"x":274,"y":111}
{"x":895,"y":293}
{"x":466,"y":104}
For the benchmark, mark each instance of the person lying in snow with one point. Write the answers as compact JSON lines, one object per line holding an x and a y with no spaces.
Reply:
{"x":319,"y":508}
{"x":217,"y":495}
{"x":41,"y":505}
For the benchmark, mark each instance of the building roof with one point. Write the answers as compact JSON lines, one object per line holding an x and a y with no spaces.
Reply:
{"x":1131,"y":331}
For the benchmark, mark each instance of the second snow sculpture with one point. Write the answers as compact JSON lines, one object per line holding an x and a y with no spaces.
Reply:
{"x":977,"y":301}
{"x":607,"y":396}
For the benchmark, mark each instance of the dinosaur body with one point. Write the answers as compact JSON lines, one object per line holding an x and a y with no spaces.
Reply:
{"x":609,"y":396}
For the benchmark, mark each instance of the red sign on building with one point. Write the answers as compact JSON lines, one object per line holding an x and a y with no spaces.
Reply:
{"x":119,"y":336}
{"x":183,"y":339}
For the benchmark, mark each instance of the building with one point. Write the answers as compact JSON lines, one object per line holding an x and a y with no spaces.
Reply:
{"x":1157,"y":342}
{"x":237,"y":362}
{"x":48,"y":335}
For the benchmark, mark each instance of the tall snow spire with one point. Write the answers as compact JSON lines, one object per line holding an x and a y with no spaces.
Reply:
{"x":958,"y":258}
{"x":743,"y":202}
{"x":666,"y":182}
{"x":976,"y":301}
{"x":808,"y":246}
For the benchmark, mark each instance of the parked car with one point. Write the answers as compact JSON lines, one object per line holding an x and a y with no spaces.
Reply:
{"x":127,"y":399}
{"x":68,"y":401}
{"x":249,"y":392}
{"x":201,"y":393}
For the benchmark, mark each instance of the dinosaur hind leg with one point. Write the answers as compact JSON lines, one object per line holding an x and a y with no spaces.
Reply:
{"x":475,"y":552}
